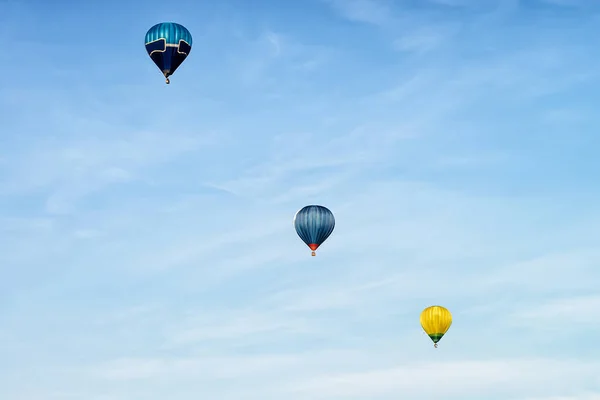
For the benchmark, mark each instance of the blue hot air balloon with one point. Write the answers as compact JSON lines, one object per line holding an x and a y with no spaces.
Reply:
{"x":168,"y":44}
{"x":314,"y":224}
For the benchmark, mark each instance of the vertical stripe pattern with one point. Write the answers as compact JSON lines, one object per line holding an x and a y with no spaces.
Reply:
{"x":436,"y":321}
{"x":170,"y":31}
{"x":314,"y":224}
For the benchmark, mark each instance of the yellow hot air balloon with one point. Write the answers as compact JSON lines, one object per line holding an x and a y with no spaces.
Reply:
{"x":436,"y":321}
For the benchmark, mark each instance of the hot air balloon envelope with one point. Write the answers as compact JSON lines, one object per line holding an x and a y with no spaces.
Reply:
{"x":314,"y":224}
{"x":168,"y":44}
{"x":436,"y":321}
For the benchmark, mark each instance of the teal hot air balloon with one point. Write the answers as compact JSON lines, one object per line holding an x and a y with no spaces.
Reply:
{"x":168,"y":44}
{"x":314,"y":224}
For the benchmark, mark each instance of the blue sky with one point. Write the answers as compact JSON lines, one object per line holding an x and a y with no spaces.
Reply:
{"x":146,"y":240}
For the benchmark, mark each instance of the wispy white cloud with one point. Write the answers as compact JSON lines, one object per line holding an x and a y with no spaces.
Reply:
{"x":567,"y":3}
{"x":78,"y":167}
{"x":582,"y":396}
{"x":574,"y":311}
{"x":465,"y":379}
{"x":377,"y":12}
{"x":261,"y":60}
{"x":305,"y":375}
{"x":424,"y":39}
{"x":237,"y":326}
